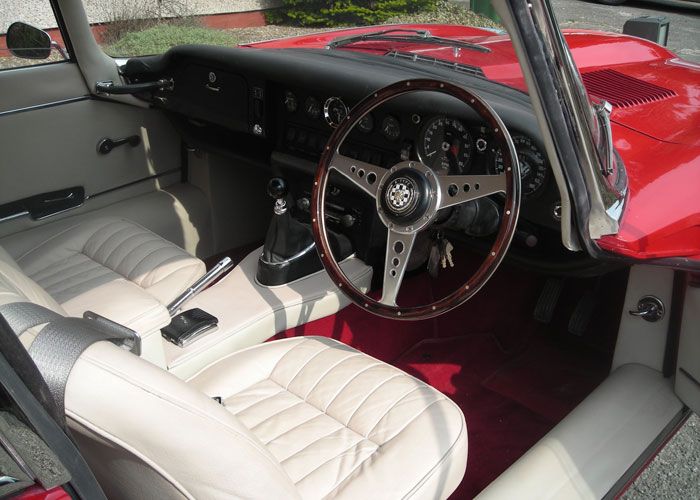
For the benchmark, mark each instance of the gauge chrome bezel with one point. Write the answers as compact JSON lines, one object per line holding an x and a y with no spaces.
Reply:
{"x":327,"y":108}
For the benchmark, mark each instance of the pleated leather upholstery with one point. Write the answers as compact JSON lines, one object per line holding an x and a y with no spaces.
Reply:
{"x":98,"y":251}
{"x":342,"y":423}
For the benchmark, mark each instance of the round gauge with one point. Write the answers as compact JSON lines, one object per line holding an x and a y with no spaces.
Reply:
{"x":533,"y":164}
{"x":366,"y":124}
{"x":391,"y":128}
{"x":445,"y":146}
{"x":312,"y":108}
{"x":334,"y":111}
{"x":290,"y":102}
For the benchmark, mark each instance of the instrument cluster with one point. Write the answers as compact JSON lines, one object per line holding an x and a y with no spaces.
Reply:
{"x":446,"y":144}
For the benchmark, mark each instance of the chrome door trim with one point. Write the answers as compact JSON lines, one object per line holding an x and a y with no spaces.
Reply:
{"x":45,"y":105}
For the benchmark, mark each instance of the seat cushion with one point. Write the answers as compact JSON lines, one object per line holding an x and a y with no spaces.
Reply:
{"x":85,"y":255}
{"x":342,"y":423}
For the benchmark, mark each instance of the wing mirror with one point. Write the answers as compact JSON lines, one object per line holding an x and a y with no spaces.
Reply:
{"x":28,"y":42}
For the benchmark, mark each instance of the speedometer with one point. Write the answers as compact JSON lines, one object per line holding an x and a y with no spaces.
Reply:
{"x":533,"y":165}
{"x":445,"y":146}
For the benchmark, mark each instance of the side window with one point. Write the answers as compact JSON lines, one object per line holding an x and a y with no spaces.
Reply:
{"x":29,"y":35}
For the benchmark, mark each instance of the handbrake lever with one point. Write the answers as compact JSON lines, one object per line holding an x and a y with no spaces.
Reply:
{"x":214,"y":273}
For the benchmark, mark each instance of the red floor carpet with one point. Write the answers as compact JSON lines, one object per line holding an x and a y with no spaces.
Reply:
{"x":513,"y":377}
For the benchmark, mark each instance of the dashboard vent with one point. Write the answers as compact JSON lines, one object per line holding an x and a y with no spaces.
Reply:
{"x":462,"y":68}
{"x":623,"y":91}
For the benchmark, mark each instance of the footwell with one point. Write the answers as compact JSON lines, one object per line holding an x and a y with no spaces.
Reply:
{"x":513,"y":377}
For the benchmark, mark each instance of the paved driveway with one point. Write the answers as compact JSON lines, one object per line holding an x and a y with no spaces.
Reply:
{"x":684,"y":34}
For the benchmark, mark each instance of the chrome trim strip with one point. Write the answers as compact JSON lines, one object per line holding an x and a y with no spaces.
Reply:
{"x":44,"y":105}
{"x":292,"y":258}
{"x":312,"y":275}
{"x":128,"y":184}
{"x":14,"y":216}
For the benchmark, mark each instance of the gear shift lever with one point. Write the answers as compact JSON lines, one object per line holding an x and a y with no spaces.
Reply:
{"x":286,"y":236}
{"x":278,"y":190}
{"x":289,"y":251}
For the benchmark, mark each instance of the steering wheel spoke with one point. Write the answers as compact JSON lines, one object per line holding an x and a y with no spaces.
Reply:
{"x":398,"y":250}
{"x":456,"y":189}
{"x":364,"y":175}
{"x":408,"y":198}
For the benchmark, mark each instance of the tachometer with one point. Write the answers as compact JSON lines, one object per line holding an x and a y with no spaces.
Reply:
{"x":533,"y":165}
{"x":445,"y":146}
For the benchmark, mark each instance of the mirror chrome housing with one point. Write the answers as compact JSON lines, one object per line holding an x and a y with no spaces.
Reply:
{"x":27,"y":42}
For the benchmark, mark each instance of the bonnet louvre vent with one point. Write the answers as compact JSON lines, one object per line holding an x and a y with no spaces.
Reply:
{"x":623,"y":91}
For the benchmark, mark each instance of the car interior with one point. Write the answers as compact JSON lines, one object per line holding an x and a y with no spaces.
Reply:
{"x":186,"y":214}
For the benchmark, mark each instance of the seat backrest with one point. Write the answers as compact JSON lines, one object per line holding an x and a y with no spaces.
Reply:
{"x":147,"y":434}
{"x":15,"y":286}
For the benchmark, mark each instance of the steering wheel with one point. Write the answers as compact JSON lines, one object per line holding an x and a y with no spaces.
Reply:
{"x":408,"y":197}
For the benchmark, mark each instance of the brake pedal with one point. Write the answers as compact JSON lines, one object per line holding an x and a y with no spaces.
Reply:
{"x":548,"y":300}
{"x":581,"y":318}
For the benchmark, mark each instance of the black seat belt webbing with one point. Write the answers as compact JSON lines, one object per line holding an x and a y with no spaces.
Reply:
{"x":60,"y":343}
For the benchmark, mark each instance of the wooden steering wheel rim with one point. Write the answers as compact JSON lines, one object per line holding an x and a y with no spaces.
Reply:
{"x":506,"y":228}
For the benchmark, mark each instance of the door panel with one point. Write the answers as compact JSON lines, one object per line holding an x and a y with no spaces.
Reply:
{"x":50,"y":134}
{"x":688,"y":365}
{"x":40,"y":85}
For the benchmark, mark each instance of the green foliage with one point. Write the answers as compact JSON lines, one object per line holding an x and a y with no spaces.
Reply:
{"x":158,"y":39}
{"x":446,"y":13}
{"x":346,"y":12}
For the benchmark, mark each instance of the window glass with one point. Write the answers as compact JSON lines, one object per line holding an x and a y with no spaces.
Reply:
{"x":32,"y":47}
{"x":126,"y":28}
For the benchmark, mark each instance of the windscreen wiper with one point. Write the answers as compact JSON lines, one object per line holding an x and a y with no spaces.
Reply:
{"x":405,"y":35}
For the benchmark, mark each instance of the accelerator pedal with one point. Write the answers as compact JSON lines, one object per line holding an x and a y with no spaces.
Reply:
{"x":548,"y":300}
{"x":585,"y":309}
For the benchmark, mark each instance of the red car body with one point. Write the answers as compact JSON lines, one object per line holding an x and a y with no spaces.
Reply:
{"x":656,"y":121}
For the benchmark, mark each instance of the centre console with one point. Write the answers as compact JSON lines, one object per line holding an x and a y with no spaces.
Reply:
{"x":289,"y":252}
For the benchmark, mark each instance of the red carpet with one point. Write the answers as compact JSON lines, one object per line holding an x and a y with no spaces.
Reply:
{"x":513,"y":377}
{"x":499,"y":429}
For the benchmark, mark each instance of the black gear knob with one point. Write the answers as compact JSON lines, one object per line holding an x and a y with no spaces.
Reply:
{"x":277,"y":188}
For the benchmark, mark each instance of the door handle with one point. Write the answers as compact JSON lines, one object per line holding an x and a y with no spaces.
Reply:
{"x":106,"y":145}
{"x":67,"y":197}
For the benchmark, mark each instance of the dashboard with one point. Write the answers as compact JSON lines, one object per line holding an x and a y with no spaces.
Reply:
{"x":278,"y":108}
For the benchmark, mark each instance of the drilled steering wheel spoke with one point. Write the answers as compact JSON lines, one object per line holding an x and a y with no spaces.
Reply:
{"x":364,"y":175}
{"x":456,"y":189}
{"x":398,"y":250}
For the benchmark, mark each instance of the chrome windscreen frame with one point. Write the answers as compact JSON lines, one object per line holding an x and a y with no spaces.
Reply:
{"x":577,"y":134}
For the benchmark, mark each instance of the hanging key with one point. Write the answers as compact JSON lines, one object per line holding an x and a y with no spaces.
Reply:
{"x":434,"y":260}
{"x":448,"y":253}
{"x":442,"y":246}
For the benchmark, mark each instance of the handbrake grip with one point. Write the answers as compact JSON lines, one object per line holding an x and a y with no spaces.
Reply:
{"x":215,"y":272}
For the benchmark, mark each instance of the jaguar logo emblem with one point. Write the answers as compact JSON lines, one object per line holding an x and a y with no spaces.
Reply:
{"x":401,"y":196}
{"x":212,"y":77}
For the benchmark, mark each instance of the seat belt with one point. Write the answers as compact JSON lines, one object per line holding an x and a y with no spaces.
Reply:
{"x":60,"y":343}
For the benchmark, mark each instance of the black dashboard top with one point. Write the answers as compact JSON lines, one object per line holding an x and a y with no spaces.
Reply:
{"x":290,"y":98}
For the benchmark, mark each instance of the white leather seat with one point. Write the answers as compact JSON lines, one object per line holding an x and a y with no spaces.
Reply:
{"x":302,"y":417}
{"x":15,"y":286}
{"x":109,"y":265}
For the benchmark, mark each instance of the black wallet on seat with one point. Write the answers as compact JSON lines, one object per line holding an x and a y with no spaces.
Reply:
{"x":188,"y":326}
